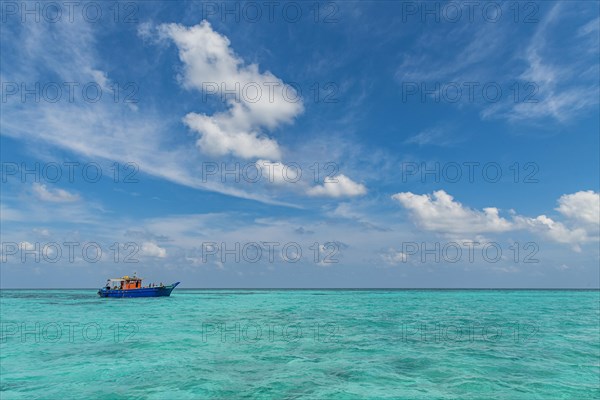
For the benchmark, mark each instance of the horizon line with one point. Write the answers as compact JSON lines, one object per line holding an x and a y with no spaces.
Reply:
{"x":332,"y":289}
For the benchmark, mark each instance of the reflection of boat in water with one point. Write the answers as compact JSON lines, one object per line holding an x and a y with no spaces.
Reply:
{"x":131,"y":286}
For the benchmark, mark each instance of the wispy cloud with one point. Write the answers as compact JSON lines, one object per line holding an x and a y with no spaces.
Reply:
{"x":562,"y":90}
{"x":436,"y":136}
{"x":44,"y":193}
{"x":548,"y":78}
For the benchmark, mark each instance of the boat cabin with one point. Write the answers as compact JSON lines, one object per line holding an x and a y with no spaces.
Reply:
{"x":125,"y":283}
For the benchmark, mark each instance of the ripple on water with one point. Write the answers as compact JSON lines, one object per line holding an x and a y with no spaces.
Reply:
{"x":179,"y":350}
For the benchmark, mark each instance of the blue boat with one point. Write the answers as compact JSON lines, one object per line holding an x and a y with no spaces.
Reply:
{"x":131,"y":286}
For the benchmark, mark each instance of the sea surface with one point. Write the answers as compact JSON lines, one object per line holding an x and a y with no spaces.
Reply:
{"x":292,"y":344}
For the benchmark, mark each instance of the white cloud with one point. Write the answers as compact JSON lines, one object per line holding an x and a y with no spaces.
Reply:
{"x":152,"y":250}
{"x":26,"y":246}
{"x":338,"y":186}
{"x":581,"y":206}
{"x":145,"y":31}
{"x":439,"y":212}
{"x":261,"y":99}
{"x":275,"y":172}
{"x":582,"y":210}
{"x":394,"y":257}
{"x":553,"y":230}
{"x":217,"y":138}
{"x":53,"y":195}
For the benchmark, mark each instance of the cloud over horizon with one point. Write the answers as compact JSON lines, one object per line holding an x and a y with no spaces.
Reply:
{"x":440,"y":213}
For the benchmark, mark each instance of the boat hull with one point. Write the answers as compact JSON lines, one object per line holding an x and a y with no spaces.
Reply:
{"x":162,"y":291}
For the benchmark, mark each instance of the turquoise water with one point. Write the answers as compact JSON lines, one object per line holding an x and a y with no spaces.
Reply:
{"x":200,"y":344}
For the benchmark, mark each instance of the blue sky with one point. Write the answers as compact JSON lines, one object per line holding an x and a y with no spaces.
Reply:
{"x":498,"y":102}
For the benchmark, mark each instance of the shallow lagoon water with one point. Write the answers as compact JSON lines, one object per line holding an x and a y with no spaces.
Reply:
{"x":314,"y":344}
